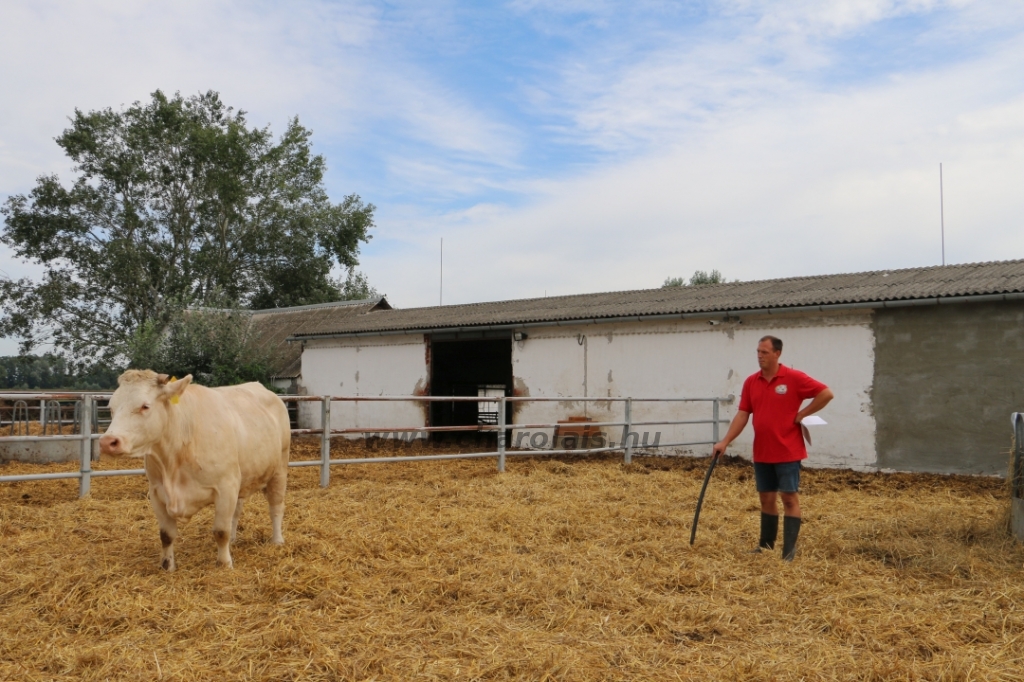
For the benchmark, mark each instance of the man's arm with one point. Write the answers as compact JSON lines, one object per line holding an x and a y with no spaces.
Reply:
{"x":819,"y":401}
{"x":739,"y":422}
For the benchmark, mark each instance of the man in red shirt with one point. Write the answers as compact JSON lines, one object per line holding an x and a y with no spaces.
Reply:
{"x":774,"y":396}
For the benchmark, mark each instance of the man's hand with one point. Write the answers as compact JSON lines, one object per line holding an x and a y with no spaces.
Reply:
{"x":820,"y":401}
{"x":737,"y":425}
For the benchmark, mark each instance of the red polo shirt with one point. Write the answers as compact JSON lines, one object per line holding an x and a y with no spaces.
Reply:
{"x":774,"y":404}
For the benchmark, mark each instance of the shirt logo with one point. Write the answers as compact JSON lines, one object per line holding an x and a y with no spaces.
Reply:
{"x":781,"y":389}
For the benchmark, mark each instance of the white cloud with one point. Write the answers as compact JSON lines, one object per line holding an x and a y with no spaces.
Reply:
{"x":333,"y":63}
{"x":811,"y":183}
{"x":810,"y":17}
{"x":656,"y":88}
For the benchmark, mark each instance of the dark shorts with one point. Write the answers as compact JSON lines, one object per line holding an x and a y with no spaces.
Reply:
{"x":784,"y":477}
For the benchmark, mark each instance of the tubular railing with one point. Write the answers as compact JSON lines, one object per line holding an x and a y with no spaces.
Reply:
{"x":88,"y":431}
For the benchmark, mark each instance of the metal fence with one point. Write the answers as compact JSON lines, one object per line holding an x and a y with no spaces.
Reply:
{"x":90,"y":404}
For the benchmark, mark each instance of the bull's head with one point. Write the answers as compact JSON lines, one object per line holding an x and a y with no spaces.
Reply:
{"x":139,"y":411}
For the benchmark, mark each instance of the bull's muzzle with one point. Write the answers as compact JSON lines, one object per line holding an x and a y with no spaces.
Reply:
{"x":112,"y":445}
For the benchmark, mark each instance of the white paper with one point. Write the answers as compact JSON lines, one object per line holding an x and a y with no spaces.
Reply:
{"x":813,"y":420}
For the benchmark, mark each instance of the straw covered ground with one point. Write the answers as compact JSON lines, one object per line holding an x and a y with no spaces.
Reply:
{"x":562,"y":569}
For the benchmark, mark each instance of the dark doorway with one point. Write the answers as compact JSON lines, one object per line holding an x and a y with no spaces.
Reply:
{"x":479,"y":367}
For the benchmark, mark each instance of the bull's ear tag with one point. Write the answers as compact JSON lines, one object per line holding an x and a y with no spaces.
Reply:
{"x":176,"y":397}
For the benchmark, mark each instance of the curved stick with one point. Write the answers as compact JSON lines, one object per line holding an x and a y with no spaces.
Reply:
{"x":700,"y":500}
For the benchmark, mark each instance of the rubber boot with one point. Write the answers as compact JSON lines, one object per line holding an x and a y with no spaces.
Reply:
{"x":790,"y":532}
{"x":769,"y":531}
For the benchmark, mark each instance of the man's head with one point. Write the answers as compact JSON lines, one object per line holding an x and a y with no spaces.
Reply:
{"x":769,"y":349}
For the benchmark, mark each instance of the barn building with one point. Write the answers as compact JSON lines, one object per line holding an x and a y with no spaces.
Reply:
{"x":926,"y":363}
{"x":273,"y":327}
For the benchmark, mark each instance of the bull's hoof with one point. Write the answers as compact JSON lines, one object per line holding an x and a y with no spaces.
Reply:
{"x":277,"y":541}
{"x":167,"y":565}
{"x":229,"y":565}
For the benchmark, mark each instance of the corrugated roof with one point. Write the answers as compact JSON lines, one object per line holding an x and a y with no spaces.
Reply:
{"x":972,"y":279}
{"x":275,"y":325}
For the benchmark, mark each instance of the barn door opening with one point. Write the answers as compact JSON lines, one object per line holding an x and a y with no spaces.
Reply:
{"x":477,"y":367}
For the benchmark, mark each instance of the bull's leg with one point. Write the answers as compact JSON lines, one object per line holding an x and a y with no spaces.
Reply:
{"x":234,"y":519}
{"x":168,"y":532}
{"x":275,"y":498}
{"x":223,"y":513}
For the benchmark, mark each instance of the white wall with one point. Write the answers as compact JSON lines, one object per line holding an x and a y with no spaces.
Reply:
{"x":390,"y":365}
{"x":695,"y":359}
{"x":650,"y":359}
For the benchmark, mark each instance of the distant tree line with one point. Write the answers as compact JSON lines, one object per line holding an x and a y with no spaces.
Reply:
{"x":699,"y":277}
{"x":50,"y":372}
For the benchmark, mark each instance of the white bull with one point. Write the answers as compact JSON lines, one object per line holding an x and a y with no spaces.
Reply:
{"x":201,"y":446}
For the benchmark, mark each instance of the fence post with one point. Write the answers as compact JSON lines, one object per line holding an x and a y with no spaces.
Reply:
{"x":714,"y":415}
{"x":627,"y":444}
{"x":85,"y":470}
{"x":42,"y":415}
{"x":325,"y":441}
{"x":501,"y":434}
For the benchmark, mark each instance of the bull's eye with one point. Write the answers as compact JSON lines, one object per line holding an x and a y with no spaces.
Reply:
{"x":144,"y":409}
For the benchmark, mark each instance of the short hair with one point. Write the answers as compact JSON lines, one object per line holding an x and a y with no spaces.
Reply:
{"x":776,"y":342}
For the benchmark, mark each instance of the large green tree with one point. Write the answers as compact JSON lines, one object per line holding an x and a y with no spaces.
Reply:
{"x":177,"y":203}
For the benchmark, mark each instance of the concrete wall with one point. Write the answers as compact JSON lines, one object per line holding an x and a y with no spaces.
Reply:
{"x":946,"y":379}
{"x":695,"y":359}
{"x":395,"y":365}
{"x":46,"y":452}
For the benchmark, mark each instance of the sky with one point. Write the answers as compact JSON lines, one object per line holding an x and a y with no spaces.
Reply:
{"x":575,"y":146}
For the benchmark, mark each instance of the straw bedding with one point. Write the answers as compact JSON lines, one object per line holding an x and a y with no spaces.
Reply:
{"x":558,"y":569}
{"x":37,"y":429}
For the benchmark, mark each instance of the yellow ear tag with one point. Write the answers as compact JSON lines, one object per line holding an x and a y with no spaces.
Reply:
{"x":175,"y":398}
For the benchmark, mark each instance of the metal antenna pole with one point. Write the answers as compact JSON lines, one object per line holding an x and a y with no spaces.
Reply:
{"x":942,"y":217}
{"x":440,"y":289}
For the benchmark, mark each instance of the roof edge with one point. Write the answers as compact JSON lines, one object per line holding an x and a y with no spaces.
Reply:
{"x":330,"y":304}
{"x":773,"y":280}
{"x":379,"y":300}
{"x":510,"y":326}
